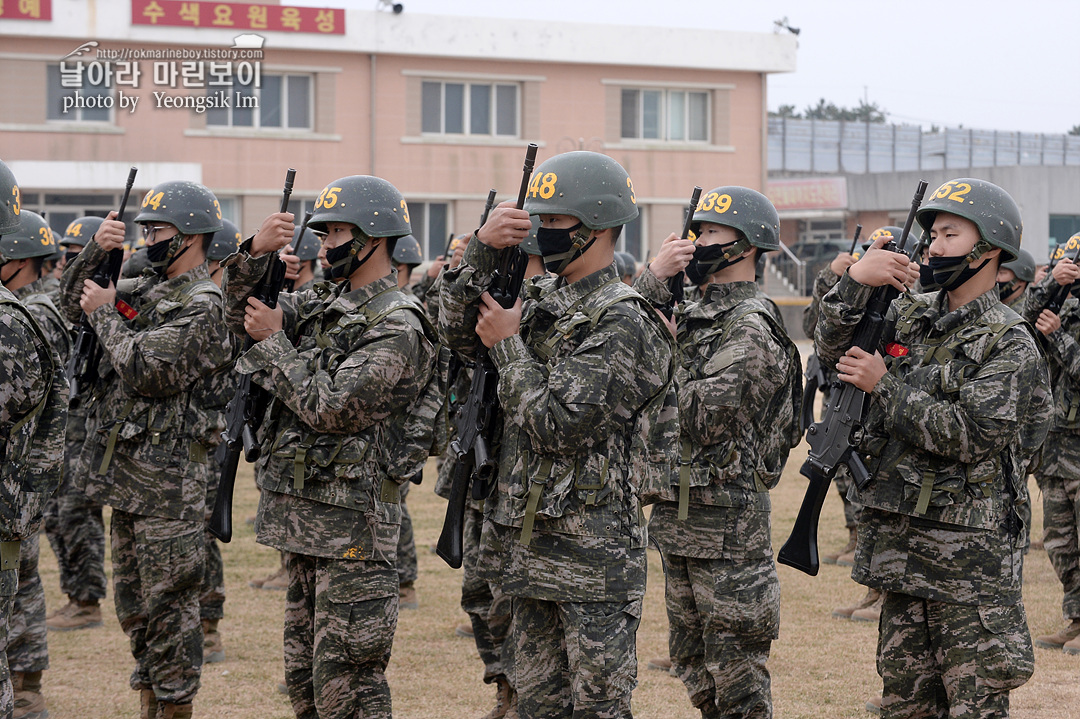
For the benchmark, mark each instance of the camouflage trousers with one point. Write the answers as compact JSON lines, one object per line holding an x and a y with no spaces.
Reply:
{"x":950,"y":660}
{"x":340,"y":619}
{"x":406,"y":544}
{"x":157,"y":576}
{"x":8,"y":581}
{"x":843,"y":481}
{"x":212,"y":593}
{"x":1061,"y":522}
{"x":574,"y":659}
{"x":722,"y":619}
{"x":488,"y":608}
{"x":27,"y":636}
{"x":76,"y":532}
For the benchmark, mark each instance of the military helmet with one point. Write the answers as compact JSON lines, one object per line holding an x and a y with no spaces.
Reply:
{"x":992,"y":210}
{"x":743,"y":209}
{"x":1072,"y":245}
{"x":530,"y":244}
{"x":1023,"y":267}
{"x":625,"y":264}
{"x":407,"y":251}
{"x":135,"y":264}
{"x":587,"y":185}
{"x":80,"y":231}
{"x":306,"y":247}
{"x":188,"y":206}
{"x":9,"y":200}
{"x":33,"y":238}
{"x":225,"y":242}
{"x":372,"y":204}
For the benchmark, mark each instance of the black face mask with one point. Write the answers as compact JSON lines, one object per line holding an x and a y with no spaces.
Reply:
{"x":709,"y":259}
{"x":342,"y":258}
{"x":1007,"y":288}
{"x":158,"y":253}
{"x":557,"y":246}
{"x":69,"y":257}
{"x":328,"y":273}
{"x":926,"y":278}
{"x":2,"y":280}
{"x":945,"y":273}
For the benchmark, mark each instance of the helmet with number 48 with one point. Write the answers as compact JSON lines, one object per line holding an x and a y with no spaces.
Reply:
{"x":587,"y":185}
{"x":991,"y":208}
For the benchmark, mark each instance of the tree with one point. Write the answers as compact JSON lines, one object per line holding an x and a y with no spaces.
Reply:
{"x":823,"y":110}
{"x":1074,"y":131}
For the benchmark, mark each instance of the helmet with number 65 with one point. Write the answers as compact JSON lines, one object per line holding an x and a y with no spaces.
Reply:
{"x":742,"y":209}
{"x":587,"y":185}
{"x":188,"y":206}
{"x":9,"y":200}
{"x":991,"y":208}
{"x":32,"y":239}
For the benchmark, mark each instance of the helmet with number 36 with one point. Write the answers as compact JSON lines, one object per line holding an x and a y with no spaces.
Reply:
{"x":32,"y":239}
{"x":743,"y":209}
{"x":372,"y":204}
{"x":9,"y":200}
{"x":187,"y":206}
{"x":991,"y":208}
{"x":587,"y":185}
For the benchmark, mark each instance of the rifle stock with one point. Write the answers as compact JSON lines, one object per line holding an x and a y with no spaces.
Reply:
{"x":245,"y":410}
{"x":834,"y":439}
{"x":477,"y":421}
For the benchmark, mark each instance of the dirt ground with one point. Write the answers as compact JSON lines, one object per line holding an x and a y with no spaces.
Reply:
{"x":821,"y":667}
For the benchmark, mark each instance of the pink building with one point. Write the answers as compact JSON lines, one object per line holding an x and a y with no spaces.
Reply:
{"x":440,"y":106}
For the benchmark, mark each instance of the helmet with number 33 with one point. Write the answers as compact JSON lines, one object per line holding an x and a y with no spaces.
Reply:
{"x":991,"y":208}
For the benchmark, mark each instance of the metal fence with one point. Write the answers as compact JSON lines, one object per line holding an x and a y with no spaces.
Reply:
{"x":833,"y":146}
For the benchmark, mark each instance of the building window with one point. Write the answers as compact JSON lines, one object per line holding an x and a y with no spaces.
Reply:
{"x":630,"y":238}
{"x":430,"y":223}
{"x":669,"y":115}
{"x":83,"y":96}
{"x":469,"y":108}
{"x":815,"y":231}
{"x":272,"y":101}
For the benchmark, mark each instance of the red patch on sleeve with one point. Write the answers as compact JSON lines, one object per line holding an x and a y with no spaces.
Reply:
{"x":126,"y":310}
{"x":895,"y":350}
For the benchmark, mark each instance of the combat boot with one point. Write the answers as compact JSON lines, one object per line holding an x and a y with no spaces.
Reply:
{"x":278,"y":581}
{"x":868,"y":600}
{"x":464,"y":630}
{"x":1059,"y":640}
{"x":29,"y":703}
{"x":84,"y":615}
{"x":68,"y":608}
{"x":174,"y":711}
{"x":1072,"y":646}
{"x":871,"y":613}
{"x":213,"y":647}
{"x":873,"y":705}
{"x":407,"y":598}
{"x":148,"y":704}
{"x":504,"y":696}
{"x":660,"y":664}
{"x":848,"y":548}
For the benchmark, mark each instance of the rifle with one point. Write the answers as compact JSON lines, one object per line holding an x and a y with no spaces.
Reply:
{"x":245,"y":410}
{"x":834,"y":439}
{"x":815,"y":373}
{"x":675,"y":284}
{"x":291,"y":284}
{"x":1057,"y":297}
{"x":478,"y":418}
{"x":82,"y":367}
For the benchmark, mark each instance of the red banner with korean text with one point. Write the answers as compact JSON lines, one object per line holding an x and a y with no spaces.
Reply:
{"x":238,"y":16}
{"x":26,"y":9}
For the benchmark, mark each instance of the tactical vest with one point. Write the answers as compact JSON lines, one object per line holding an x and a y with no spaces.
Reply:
{"x":552,"y":485}
{"x":1066,"y":389}
{"x":723,"y":467}
{"x":912,"y":481}
{"x":45,"y":302}
{"x":33,"y":448}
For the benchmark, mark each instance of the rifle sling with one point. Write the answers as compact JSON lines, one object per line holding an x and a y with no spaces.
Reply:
{"x":536,"y":488}
{"x":113,"y":433}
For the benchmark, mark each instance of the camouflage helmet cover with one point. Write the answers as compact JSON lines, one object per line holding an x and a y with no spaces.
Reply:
{"x":372,"y":204}
{"x":587,"y":185}
{"x":188,"y":206}
{"x":743,"y":209}
{"x":991,"y":208}
{"x":33,"y":238}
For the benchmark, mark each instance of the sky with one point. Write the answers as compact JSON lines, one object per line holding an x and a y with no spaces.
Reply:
{"x":983,"y":64}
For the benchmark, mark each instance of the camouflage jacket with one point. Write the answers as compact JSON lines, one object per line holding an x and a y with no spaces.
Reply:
{"x":142,"y":452}
{"x":739,"y":388}
{"x":53,"y":324}
{"x":575,"y":393}
{"x":966,"y":401}
{"x":343,"y":374}
{"x":1061,"y":451}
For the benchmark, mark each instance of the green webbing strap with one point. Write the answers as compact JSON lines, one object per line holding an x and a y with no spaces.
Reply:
{"x":759,"y":483}
{"x":536,"y":488}
{"x":298,"y":467}
{"x":389,"y":492}
{"x":197,"y":452}
{"x":925,"y":491}
{"x":684,"y":479}
{"x":1072,"y":409}
{"x":113,"y":433}
{"x":9,"y":555}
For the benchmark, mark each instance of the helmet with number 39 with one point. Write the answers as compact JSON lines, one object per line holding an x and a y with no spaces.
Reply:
{"x":372,"y":204}
{"x":32,"y":239}
{"x":991,"y":208}
{"x":9,"y":200}
{"x":187,"y":206}
{"x":587,"y":185}
{"x":743,"y":209}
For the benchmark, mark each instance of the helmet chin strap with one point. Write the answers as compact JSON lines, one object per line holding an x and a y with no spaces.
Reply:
{"x":981,"y":247}
{"x":582,"y":241}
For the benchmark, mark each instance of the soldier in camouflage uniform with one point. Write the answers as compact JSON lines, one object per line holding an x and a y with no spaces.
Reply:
{"x":24,"y":252}
{"x":345,"y":366}
{"x":33,"y":416}
{"x":1013,"y":280}
{"x":956,"y":411}
{"x":1058,"y":476}
{"x":146,"y":453}
{"x":73,"y":522}
{"x":585,"y":367}
{"x":739,"y":384}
